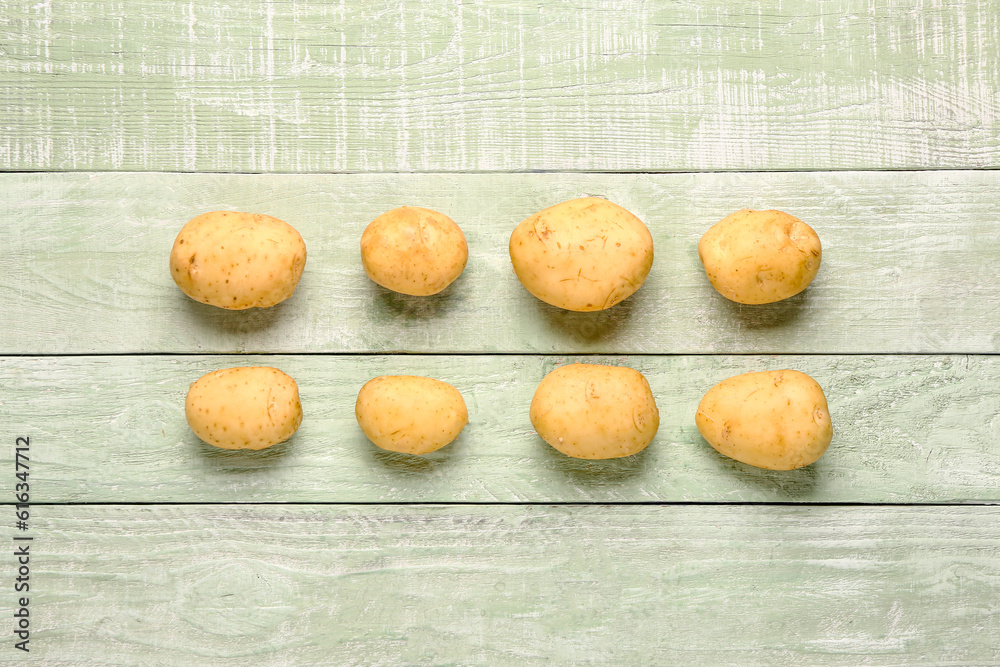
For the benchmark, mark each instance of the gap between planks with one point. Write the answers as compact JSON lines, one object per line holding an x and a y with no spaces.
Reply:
{"x":448,"y":353}
{"x":556,"y":503}
{"x":504,"y":172}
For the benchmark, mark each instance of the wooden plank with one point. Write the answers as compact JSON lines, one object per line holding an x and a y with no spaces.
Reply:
{"x":515,"y":585}
{"x":397,"y":85}
{"x":910,"y":265}
{"x":112,"y":429}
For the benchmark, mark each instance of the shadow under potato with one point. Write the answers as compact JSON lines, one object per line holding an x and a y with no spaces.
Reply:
{"x":594,"y":327}
{"x":798,"y":484}
{"x":416,"y":307}
{"x":412,"y":464}
{"x":220,"y":320}
{"x":601,"y":472}
{"x":767,"y":315}
{"x":241,"y":460}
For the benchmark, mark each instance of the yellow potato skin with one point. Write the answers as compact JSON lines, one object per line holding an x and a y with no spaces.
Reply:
{"x":410,"y":414}
{"x":237,"y":260}
{"x":777,"y":420}
{"x":757,"y":257}
{"x":250,"y":407}
{"x":413,"y":250}
{"x":590,"y":411}
{"x":583,"y":254}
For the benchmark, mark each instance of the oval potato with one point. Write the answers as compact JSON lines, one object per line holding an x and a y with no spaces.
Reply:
{"x":756,"y":257}
{"x":590,"y":411}
{"x":777,"y":420}
{"x":584,"y":254}
{"x":410,"y":414}
{"x":244,"y":408}
{"x":237,"y":260}
{"x":413,"y":250}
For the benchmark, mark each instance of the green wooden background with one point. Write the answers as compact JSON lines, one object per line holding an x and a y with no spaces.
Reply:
{"x":875,"y":121}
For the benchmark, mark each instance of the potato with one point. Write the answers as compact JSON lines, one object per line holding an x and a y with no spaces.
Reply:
{"x":250,"y":407}
{"x":759,"y":257}
{"x":584,"y":254}
{"x":410,"y":414}
{"x":589,"y":411}
{"x":777,"y":420}
{"x":237,"y":260}
{"x":413,"y":250}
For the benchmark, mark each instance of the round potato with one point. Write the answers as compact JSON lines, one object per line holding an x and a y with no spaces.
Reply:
{"x":413,"y":250}
{"x":237,"y":260}
{"x":756,"y":257}
{"x":589,"y":411}
{"x":777,"y":420}
{"x":410,"y":414}
{"x":244,"y":408}
{"x":584,"y":254}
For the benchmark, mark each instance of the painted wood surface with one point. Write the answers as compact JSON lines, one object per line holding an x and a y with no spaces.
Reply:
{"x":112,"y":429}
{"x":909,"y":265}
{"x":378,"y":88}
{"x":313,"y":585}
{"x":401,"y":85}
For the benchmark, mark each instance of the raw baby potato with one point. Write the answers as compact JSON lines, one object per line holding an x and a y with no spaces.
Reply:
{"x":777,"y":420}
{"x":757,"y":257}
{"x":244,"y":408}
{"x":590,"y":411}
{"x":237,"y":260}
{"x":584,"y":254}
{"x":410,"y":414}
{"x":413,"y":250}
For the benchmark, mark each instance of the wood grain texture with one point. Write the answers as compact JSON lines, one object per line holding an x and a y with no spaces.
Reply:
{"x":909,"y":265}
{"x":404,"y":85}
{"x":390,"y":86}
{"x":112,"y":429}
{"x":515,"y":586}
